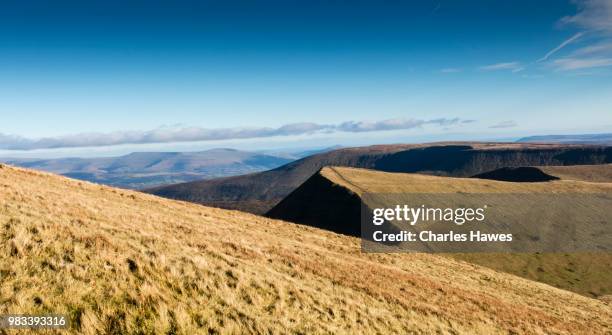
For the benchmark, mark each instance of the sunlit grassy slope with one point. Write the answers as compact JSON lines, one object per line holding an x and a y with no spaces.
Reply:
{"x":593,"y":173}
{"x":586,"y":273}
{"x":121,"y":262}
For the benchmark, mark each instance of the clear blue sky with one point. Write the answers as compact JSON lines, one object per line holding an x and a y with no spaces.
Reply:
{"x":498,"y":68}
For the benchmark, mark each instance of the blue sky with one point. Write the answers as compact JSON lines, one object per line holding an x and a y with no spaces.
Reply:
{"x":105,"y":73}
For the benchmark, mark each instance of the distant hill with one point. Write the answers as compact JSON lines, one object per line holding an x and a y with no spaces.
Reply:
{"x":517,"y":174}
{"x":306,"y":153}
{"x":570,"y":139}
{"x":259,"y":192}
{"x":122,"y":262}
{"x":591,"y":173}
{"x":331,"y":200}
{"x":149,"y":169}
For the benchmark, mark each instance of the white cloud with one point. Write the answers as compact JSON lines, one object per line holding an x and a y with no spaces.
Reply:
{"x":561,"y":46}
{"x":512,"y":66}
{"x":504,"y":124}
{"x":598,"y":48}
{"x":193,"y":134}
{"x":567,"y":64}
{"x":595,"y":18}
{"x":392,"y":124}
{"x":451,"y":70}
{"x":593,"y":15}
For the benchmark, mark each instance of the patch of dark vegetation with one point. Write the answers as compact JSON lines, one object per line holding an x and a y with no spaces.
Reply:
{"x":173,"y":330}
{"x":75,"y":314}
{"x":48,"y":265}
{"x":115,"y":324}
{"x":14,"y":251}
{"x":526,"y":174}
{"x":68,"y":258}
{"x":132,"y":266}
{"x":232,"y":279}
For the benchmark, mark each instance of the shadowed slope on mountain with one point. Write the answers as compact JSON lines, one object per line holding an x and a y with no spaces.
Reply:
{"x":520,"y":174}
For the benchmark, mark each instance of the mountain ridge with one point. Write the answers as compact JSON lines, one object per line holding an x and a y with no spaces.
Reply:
{"x":332,"y":200}
{"x":147,"y":169}
{"x":118,"y":261}
{"x":604,"y":138}
{"x":259,"y":192}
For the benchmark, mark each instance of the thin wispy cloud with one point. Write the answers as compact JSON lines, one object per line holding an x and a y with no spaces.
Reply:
{"x":561,"y":46}
{"x":567,"y":64}
{"x":196,"y":134}
{"x":504,"y":124}
{"x":594,"y":17}
{"x":511,"y":66}
{"x":451,"y":70}
{"x":594,"y":49}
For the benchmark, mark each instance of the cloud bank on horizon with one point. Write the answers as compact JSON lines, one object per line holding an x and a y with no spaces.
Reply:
{"x":120,"y":69}
{"x":196,"y":134}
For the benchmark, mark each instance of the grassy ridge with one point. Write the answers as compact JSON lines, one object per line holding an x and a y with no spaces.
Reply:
{"x":120,"y":262}
{"x":585,"y":273}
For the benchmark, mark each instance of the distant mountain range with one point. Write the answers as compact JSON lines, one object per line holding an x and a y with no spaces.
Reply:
{"x":259,"y":192}
{"x":149,"y":169}
{"x":570,"y":139}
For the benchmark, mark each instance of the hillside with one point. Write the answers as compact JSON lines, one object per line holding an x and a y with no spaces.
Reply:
{"x":259,"y":192}
{"x":148,"y":169}
{"x":331,"y":200}
{"x":591,"y":173}
{"x":122,"y":262}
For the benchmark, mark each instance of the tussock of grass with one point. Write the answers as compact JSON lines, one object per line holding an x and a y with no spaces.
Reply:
{"x":120,"y":262}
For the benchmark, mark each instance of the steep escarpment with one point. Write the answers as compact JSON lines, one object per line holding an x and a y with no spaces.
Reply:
{"x":332,"y":199}
{"x":122,"y":262}
{"x":321,"y":203}
{"x":465,"y":161}
{"x":259,"y":192}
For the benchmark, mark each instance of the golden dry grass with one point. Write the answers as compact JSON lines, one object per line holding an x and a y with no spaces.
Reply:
{"x":594,"y":173}
{"x":361,"y":181}
{"x":121,"y":262}
{"x":585,"y":273}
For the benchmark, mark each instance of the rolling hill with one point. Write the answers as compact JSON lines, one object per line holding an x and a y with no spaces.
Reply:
{"x":122,"y":262}
{"x":331,"y":200}
{"x":592,"y":173}
{"x":148,"y":169}
{"x":259,"y":192}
